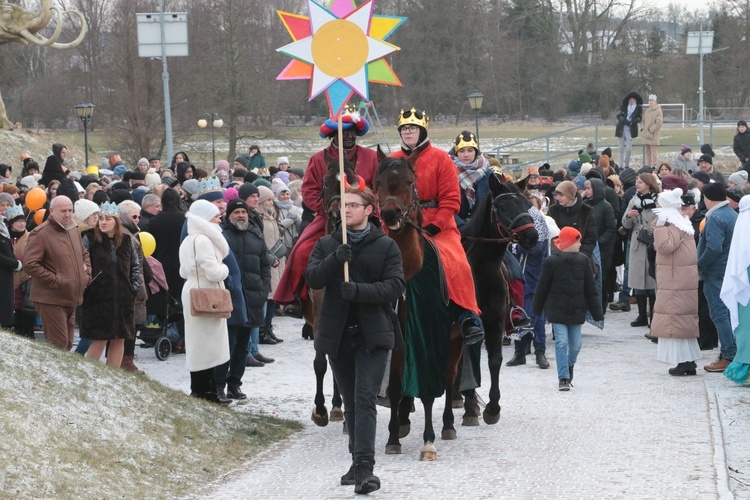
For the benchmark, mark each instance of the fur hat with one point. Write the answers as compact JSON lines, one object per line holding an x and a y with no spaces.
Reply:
{"x":714,"y":191}
{"x":739,"y":178}
{"x":265,"y":194}
{"x":568,"y":236}
{"x":568,"y":189}
{"x":204,"y":209}
{"x":83,"y":209}
{"x":670,"y":198}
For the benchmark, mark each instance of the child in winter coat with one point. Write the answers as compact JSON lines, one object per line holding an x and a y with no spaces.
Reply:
{"x":566,"y":289}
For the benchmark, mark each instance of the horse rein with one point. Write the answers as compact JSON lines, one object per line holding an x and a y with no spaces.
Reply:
{"x":404,"y":218}
{"x":510,"y":233}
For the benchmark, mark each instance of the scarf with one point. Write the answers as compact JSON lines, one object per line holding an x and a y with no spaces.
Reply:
{"x":4,"y":228}
{"x":715,"y":208}
{"x":286,"y":205}
{"x":355,"y":236}
{"x":674,"y":217}
{"x":631,"y":110}
{"x":735,"y":290}
{"x":469,"y":175}
{"x":419,"y":147}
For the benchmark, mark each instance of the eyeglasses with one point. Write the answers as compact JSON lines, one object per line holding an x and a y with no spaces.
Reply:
{"x":353,"y":205}
{"x":135,"y":217}
{"x":418,"y":114}
{"x":409,"y":128}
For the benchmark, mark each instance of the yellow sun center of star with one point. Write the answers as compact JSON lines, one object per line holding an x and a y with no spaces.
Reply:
{"x":340,"y":48}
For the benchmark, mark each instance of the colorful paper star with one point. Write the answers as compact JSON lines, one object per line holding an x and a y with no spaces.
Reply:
{"x":340,"y":49}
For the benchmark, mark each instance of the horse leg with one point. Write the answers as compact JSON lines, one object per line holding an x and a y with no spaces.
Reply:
{"x":337,"y":415}
{"x":471,"y":409}
{"x":393,"y":446}
{"x":454,"y":357}
{"x":428,"y":451}
{"x":494,"y":331}
{"x":320,"y":413}
{"x":458,"y":401}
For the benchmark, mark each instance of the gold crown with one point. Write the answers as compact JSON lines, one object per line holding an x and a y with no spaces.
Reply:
{"x":465,"y":140}
{"x":413,"y":117}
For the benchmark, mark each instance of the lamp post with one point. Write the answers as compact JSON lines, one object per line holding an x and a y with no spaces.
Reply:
{"x":475,"y":103}
{"x":216,"y":122}
{"x":84,"y":110}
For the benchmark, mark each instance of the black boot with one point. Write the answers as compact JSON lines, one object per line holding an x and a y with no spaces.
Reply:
{"x":541,"y":361}
{"x":517,"y":359}
{"x":349,"y":478}
{"x":471,"y":328}
{"x":264,"y":338}
{"x":365,"y":481}
{"x":651,"y":304}
{"x":687,"y":368}
{"x":272,"y":335}
{"x":642,"y":319}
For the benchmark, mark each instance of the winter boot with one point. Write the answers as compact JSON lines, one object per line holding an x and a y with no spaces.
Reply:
{"x":541,"y":361}
{"x":517,"y":359}
{"x":471,"y":327}
{"x":128,"y":365}
{"x":272,"y":335}
{"x":642,"y":319}
{"x":349,"y":479}
{"x":622,"y":305}
{"x":651,"y":304}
{"x":264,"y":338}
{"x":686,"y":368}
{"x":365,"y":481}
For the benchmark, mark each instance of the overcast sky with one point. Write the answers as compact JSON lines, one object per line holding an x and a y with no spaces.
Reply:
{"x":690,"y":5}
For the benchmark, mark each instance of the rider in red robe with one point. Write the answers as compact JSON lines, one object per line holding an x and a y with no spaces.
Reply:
{"x":292,"y":286}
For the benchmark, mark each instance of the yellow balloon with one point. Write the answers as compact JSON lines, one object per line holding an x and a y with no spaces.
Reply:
{"x":148,"y":243}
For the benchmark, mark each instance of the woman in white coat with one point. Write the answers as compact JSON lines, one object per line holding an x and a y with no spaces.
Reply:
{"x":201,"y":256}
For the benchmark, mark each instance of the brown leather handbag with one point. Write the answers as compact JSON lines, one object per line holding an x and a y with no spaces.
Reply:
{"x":209,"y":302}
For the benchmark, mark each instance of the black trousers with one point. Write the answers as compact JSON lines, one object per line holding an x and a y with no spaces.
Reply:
{"x":202,"y":382}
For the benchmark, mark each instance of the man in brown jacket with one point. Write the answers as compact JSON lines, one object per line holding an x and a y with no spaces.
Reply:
{"x":60,"y":269}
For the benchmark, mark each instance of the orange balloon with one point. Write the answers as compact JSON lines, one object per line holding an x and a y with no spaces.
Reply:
{"x":702,"y":226}
{"x":39,"y":216}
{"x":35,"y":199}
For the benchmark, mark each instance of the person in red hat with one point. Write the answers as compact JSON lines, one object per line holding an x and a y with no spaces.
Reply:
{"x":565,"y":291}
{"x":291,"y":286}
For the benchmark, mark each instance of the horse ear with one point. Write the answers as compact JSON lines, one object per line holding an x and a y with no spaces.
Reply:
{"x":495,"y":184}
{"x":381,"y":155}
{"x":521,"y":185}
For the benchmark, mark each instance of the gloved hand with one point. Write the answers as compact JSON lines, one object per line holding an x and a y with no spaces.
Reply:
{"x":431,"y":229}
{"x":343,"y":253}
{"x":349,"y":290}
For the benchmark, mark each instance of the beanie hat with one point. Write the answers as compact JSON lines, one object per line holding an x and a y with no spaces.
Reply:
{"x":170,"y":181}
{"x":84,"y":209}
{"x":191,"y":187}
{"x":580,"y":183}
{"x":120,"y":171}
{"x":568,"y":188}
{"x":584,"y":157}
{"x":685,"y":149}
{"x":222,"y":165}
{"x":204,"y":210}
{"x":283,"y":176}
{"x":152,"y":179}
{"x":645,"y":170}
{"x":742,"y":123}
{"x":29,"y":182}
{"x":607,"y":151}
{"x":715,"y":191}
{"x":735,"y":193}
{"x":13,"y":214}
{"x":230,"y":194}
{"x":671,"y":181}
{"x":119,"y":195}
{"x":120,"y":186}
{"x":234,"y":204}
{"x":706,"y":149}
{"x":262,"y":182}
{"x":248,"y":177}
{"x":273,"y":171}
{"x":11,"y":189}
{"x":627,"y":177}
{"x":137,"y":176}
{"x":296,"y":171}
{"x":707,"y":158}
{"x":568,"y":236}
{"x":247,"y":189}
{"x":702,"y":176}
{"x":265,"y":194}
{"x":240,"y":173}
{"x":574,"y":166}
{"x":281,"y":189}
{"x":739,"y":178}
{"x":284,"y":159}
{"x":276,"y":184}
{"x":242,"y":160}
{"x":670,"y":198}
{"x":585,"y":168}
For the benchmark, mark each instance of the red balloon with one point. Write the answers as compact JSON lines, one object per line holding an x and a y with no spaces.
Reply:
{"x":39,"y":216}
{"x":36,"y":198}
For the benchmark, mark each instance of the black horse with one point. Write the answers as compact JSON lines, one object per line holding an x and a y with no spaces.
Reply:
{"x":501,"y":218}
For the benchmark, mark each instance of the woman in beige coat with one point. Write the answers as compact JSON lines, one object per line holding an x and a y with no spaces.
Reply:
{"x":272,"y":234}
{"x":651,"y":130}
{"x":675,"y":321}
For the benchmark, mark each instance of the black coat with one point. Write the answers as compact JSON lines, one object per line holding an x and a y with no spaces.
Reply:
{"x":249,"y":247}
{"x":166,"y":227}
{"x":580,"y":217}
{"x":622,"y":115}
{"x":8,"y":265}
{"x":377,"y":270}
{"x":741,"y":147}
{"x":566,"y":289}
{"x":606,"y":223}
{"x":53,"y":171}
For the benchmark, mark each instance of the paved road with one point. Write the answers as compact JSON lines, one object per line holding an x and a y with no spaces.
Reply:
{"x":626,"y":430}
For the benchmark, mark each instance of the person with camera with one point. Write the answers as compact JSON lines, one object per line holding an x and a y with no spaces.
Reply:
{"x":638,"y":217}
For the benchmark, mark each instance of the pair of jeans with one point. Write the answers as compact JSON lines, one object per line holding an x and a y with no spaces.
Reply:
{"x":720,"y":317}
{"x":359,"y":373}
{"x":625,"y":291}
{"x":625,"y":145}
{"x":567,"y":347}
{"x":231,"y":372}
{"x":255,"y":338}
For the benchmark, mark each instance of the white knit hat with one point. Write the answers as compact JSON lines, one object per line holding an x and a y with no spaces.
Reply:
{"x":204,"y":209}
{"x":671,"y":198}
{"x":739,"y":178}
{"x":84,"y":209}
{"x":282,"y":159}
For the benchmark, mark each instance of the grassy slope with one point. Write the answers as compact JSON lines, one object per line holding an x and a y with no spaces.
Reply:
{"x":75,"y":428}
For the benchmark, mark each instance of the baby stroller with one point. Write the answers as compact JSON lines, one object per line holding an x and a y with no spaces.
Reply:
{"x":163,"y":313}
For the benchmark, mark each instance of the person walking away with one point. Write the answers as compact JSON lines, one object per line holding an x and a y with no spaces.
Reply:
{"x":713,"y":254}
{"x":735,"y":293}
{"x":356,"y":331}
{"x":653,"y":119}
{"x":741,"y":145}
{"x":675,"y":322}
{"x":628,"y":118}
{"x":565,"y":291}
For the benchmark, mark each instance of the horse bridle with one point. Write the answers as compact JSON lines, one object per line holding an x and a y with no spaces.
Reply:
{"x":405,"y":211}
{"x":511,"y":232}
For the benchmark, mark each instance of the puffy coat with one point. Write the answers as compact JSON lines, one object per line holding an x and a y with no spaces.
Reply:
{"x":676,"y":308}
{"x":579,"y":216}
{"x":622,"y":115}
{"x":566,"y":289}
{"x":652,"y":122}
{"x":688,"y":165}
{"x":376,"y":268}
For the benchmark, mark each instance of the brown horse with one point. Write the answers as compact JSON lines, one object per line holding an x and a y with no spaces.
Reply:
{"x":395,"y":184}
{"x":331,"y":195}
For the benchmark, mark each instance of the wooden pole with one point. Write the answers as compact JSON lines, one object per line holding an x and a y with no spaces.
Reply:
{"x":342,"y":184}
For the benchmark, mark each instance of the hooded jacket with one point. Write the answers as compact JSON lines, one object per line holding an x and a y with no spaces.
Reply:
{"x":622,"y":115}
{"x":579,"y":216}
{"x":741,"y":145}
{"x":606,"y":224}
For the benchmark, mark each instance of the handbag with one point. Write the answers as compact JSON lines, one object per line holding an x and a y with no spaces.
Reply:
{"x":279,"y":249}
{"x":209,"y":302}
{"x":645,"y":237}
{"x":27,"y":305}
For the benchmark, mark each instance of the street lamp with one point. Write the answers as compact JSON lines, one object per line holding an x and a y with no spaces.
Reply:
{"x":475,"y":103}
{"x":84,"y":110}
{"x":215,"y":123}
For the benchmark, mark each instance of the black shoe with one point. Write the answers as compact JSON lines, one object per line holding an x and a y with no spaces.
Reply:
{"x":506,"y":340}
{"x":517,"y":359}
{"x":272,"y":335}
{"x":235,"y":393}
{"x":221,"y":393}
{"x":541,"y":360}
{"x":564,"y":385}
{"x":212,"y":397}
{"x":639,"y":321}
{"x":653,"y":339}
{"x":251,"y":361}
{"x":307,"y":332}
{"x":570,"y":371}
{"x":365,"y":481}
{"x":349,"y":479}
{"x":621,"y":305}
{"x":687,"y":368}
{"x":263,"y":359}
{"x":264,"y":337}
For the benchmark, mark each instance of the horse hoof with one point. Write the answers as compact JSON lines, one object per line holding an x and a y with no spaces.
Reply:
{"x":344,"y":429}
{"x":336,"y":414}
{"x":428,"y":453}
{"x":489,"y":418}
{"x":457,"y":403}
{"x":470,"y":421}
{"x":448,"y":434}
{"x":320,"y":420}
{"x":393,"y":449}
{"x":404,"y":430}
